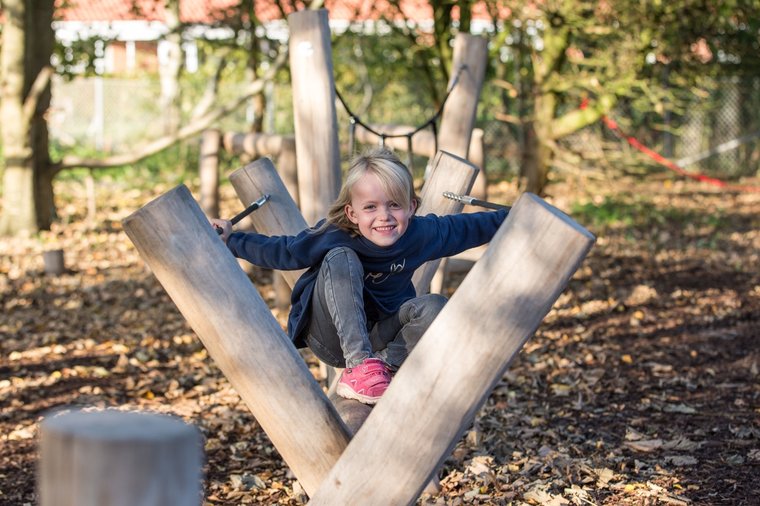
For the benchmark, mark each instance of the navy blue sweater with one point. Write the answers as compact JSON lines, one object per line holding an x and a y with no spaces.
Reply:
{"x":387,"y":270}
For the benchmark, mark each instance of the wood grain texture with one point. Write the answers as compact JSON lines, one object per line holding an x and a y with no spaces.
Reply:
{"x":237,"y":328}
{"x":466,"y":350}
{"x":253,"y":144}
{"x":280,"y":216}
{"x":209,"y":172}
{"x":449,"y":173}
{"x":119,"y":458}
{"x":315,"y":118}
{"x":458,"y":118}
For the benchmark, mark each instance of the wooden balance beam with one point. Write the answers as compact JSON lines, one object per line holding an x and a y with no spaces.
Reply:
{"x":435,"y":395}
{"x":281,"y":217}
{"x":237,"y":328}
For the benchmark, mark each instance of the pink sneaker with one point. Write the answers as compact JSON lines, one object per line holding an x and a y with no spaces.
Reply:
{"x":366,"y":382}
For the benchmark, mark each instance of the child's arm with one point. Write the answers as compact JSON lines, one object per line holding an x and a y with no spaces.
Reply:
{"x":281,"y":252}
{"x":452,"y":234}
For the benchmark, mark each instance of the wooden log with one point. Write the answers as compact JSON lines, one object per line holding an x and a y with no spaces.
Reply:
{"x":477,"y":157}
{"x":459,"y":112}
{"x":458,"y":118}
{"x":238,"y":330}
{"x":209,"y":172}
{"x":460,"y":263}
{"x":283,"y":148}
{"x":352,"y":412}
{"x":316,"y":122}
{"x":449,"y":173}
{"x":280,"y":216}
{"x":287,"y":166}
{"x":464,"y":353}
{"x":479,"y":191}
{"x":279,"y":147}
{"x":53,"y":260}
{"x":254,"y":145}
{"x":119,"y":458}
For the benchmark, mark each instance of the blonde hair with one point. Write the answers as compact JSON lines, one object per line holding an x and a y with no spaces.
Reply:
{"x":395,"y":179}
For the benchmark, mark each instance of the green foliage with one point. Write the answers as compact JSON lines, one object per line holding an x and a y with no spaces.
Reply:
{"x":633,"y":211}
{"x":177,"y":164}
{"x":385,"y":78}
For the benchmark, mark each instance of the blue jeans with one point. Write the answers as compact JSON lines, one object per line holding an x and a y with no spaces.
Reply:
{"x":339,"y":333}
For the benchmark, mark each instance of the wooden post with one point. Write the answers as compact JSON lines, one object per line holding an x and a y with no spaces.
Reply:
{"x":288,"y":171}
{"x":254,"y":145}
{"x":467,"y":349}
{"x":458,"y":119}
{"x":280,"y":216}
{"x":53,"y":260}
{"x":226,"y":311}
{"x":449,"y":173}
{"x":287,"y":166}
{"x":477,"y":156}
{"x":316,"y":122}
{"x":119,"y":458}
{"x":209,"y":172}
{"x":283,"y":148}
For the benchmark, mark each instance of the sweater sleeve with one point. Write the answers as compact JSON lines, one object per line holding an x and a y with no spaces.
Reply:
{"x":455,"y":233}
{"x":279,"y":252}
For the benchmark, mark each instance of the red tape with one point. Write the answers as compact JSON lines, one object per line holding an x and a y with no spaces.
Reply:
{"x":612,"y":125}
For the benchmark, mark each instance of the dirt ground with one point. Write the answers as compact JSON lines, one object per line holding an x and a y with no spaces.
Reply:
{"x":639,"y":388}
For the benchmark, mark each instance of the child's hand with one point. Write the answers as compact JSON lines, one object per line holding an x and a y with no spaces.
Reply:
{"x":222,"y":227}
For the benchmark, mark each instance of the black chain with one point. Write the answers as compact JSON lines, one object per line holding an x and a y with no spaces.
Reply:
{"x":354,"y":120}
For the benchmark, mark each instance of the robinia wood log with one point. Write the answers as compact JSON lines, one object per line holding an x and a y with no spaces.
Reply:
{"x":283,"y":218}
{"x":315,"y":119}
{"x":466,"y":350}
{"x":209,"y":172}
{"x":449,"y":173}
{"x":280,"y":216}
{"x":458,"y":118}
{"x":281,"y":148}
{"x":226,"y":311}
{"x":119,"y":458}
{"x":253,"y":144}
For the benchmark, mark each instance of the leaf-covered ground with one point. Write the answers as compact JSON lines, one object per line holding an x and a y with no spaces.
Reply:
{"x":640,"y":387}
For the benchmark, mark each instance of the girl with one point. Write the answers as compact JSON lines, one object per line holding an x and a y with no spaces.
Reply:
{"x":356,"y":306}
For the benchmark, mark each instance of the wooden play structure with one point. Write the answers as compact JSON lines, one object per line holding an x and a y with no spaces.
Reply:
{"x":119,"y":458}
{"x":341,"y":451}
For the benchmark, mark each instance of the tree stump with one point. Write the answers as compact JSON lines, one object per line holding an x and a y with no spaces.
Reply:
{"x":119,"y":458}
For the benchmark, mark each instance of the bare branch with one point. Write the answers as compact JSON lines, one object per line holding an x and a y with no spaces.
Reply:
{"x":194,"y":127}
{"x":212,"y":89}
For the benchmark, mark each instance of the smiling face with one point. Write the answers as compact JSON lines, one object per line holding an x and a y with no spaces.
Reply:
{"x":380,"y":219}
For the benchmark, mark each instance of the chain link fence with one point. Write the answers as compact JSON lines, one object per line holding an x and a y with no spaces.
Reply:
{"x":115,"y":115}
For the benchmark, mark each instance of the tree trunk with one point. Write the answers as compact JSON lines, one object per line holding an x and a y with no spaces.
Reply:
{"x":28,"y":191}
{"x":537,"y":155}
{"x":170,"y":68}
{"x":538,"y":152}
{"x":41,"y":40}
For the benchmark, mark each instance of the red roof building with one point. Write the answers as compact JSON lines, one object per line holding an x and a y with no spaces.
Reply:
{"x":134,"y":28}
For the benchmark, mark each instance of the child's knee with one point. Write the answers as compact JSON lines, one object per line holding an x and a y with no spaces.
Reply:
{"x":434,"y":303}
{"x":341,"y":254}
{"x":427,"y":307}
